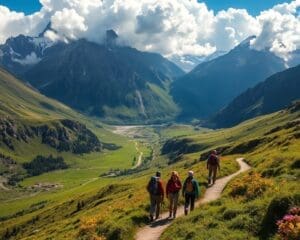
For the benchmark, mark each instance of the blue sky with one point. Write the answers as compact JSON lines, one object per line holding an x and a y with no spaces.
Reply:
{"x":27,"y":6}
{"x":253,"y":6}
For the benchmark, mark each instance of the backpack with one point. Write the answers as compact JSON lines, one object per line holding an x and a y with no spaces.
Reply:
{"x":153,"y":186}
{"x":189,"y":188}
{"x":213,"y":160}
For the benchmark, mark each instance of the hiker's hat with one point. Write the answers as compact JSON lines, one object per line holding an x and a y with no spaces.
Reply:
{"x":158,"y":174}
{"x":191,"y":173}
{"x":214,"y":152}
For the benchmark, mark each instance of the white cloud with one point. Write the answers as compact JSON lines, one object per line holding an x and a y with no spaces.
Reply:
{"x":30,"y":59}
{"x":280,"y":29}
{"x":73,"y":25}
{"x":166,"y":26}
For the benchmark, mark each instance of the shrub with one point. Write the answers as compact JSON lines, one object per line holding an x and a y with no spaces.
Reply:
{"x":276,"y":211}
{"x":250,"y":186}
{"x":289,"y":225}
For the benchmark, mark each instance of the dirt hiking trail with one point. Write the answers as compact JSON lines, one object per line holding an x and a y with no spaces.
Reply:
{"x":154,"y":231}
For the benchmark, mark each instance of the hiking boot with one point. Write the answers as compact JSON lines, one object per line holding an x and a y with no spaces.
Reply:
{"x":151,"y":218}
{"x":170,"y":215}
{"x":174,"y":215}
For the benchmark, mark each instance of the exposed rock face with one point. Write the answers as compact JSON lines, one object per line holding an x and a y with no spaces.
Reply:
{"x":175,"y":148}
{"x":64,"y":135}
{"x":9,"y":129}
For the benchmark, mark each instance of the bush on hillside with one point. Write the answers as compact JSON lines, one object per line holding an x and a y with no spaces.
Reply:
{"x":43,"y":164}
{"x":250,"y":186}
{"x":289,"y":225}
{"x":277,"y":208}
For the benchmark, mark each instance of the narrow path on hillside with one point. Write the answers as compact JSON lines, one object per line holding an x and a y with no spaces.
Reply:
{"x":2,"y":182}
{"x":140,"y":157}
{"x":154,"y":231}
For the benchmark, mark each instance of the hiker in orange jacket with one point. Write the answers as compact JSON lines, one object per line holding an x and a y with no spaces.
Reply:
{"x":156,"y":191}
{"x":190,"y":192}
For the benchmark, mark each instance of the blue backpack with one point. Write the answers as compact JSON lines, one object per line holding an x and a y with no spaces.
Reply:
{"x":153,"y":186}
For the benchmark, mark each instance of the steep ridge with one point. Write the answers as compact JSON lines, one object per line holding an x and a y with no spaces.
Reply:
{"x":275,"y":93}
{"x":211,"y":85}
{"x":23,"y":102}
{"x":34,"y":127}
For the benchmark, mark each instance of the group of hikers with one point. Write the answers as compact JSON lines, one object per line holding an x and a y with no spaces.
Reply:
{"x":190,"y":189}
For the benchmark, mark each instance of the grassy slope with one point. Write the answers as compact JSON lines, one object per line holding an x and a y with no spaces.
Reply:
{"x":246,"y":216}
{"x":115,"y":210}
{"x":27,"y":106}
{"x":112,"y":207}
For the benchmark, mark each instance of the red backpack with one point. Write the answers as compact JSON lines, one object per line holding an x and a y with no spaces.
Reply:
{"x":213,"y":160}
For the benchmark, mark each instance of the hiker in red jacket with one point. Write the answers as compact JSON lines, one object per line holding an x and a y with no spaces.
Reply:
{"x":213,"y":164}
{"x":156,"y":191}
{"x":172,"y":192}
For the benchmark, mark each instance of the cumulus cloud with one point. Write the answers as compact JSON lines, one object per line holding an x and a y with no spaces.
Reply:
{"x":170,"y":27}
{"x":280,"y":29}
{"x":13,"y":23}
{"x":73,"y":27}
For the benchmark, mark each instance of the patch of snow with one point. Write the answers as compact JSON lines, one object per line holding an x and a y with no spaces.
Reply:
{"x":42,"y":42}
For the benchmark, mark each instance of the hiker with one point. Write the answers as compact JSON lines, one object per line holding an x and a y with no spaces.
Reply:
{"x":172,"y":192}
{"x":156,"y":191}
{"x":190,"y":192}
{"x":213,"y":164}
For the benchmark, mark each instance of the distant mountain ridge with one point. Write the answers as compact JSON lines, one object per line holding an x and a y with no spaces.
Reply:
{"x":275,"y":93}
{"x":123,"y":85}
{"x":110,"y":81}
{"x":212,"y":85}
{"x":189,"y":62}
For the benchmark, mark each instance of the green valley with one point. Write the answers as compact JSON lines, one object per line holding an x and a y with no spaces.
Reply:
{"x":102,"y":195}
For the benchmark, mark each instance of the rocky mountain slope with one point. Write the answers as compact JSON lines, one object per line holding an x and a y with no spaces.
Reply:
{"x":275,"y":93}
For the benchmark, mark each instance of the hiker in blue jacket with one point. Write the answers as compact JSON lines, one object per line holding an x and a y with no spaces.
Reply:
{"x":156,"y":191}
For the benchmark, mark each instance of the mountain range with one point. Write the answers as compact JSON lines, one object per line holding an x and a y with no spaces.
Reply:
{"x":213,"y":84}
{"x":121,"y":84}
{"x":189,"y":62}
{"x":110,"y":81}
{"x":275,"y":93}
